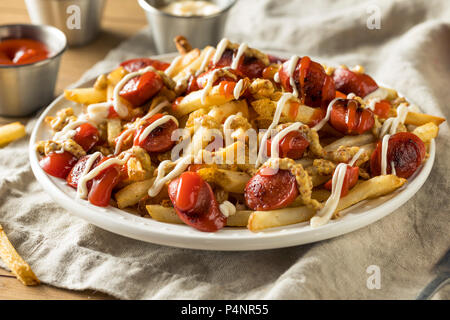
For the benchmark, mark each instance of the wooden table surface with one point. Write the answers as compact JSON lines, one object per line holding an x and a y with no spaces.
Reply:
{"x":121,"y":20}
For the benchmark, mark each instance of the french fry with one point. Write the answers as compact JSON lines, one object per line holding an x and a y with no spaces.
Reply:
{"x":372,"y":188}
{"x":10,"y":132}
{"x":116,"y":75}
{"x":109,"y":92}
{"x":168,"y":215}
{"x":260,"y":220}
{"x":221,"y":112}
{"x":184,"y":61}
{"x":15,"y":262}
{"x":196,"y":64}
{"x":101,"y":82}
{"x":193,"y":101}
{"x":418,"y":119}
{"x":85,"y":95}
{"x":136,"y":171}
{"x":350,"y":141}
{"x":113,"y":128}
{"x":132,"y":193}
{"x":231,"y":181}
{"x":427,"y":132}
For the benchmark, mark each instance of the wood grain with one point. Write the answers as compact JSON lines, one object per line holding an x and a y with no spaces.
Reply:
{"x":121,"y":20}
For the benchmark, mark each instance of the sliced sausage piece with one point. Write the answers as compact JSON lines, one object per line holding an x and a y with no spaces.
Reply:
{"x":86,"y":136}
{"x":103,"y":184}
{"x":250,"y":67}
{"x":267,"y":190}
{"x":350,"y":179}
{"x":405,"y":149}
{"x":58,"y":164}
{"x":141,"y":88}
{"x":315,"y":87}
{"x":347,"y":81}
{"x":75,"y":174}
{"x":348,"y":117}
{"x":195,"y":203}
{"x":134,"y":65}
{"x":292,"y":145}
{"x":160,"y":139}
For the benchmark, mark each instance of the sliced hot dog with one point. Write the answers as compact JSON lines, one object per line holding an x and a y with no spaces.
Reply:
{"x":348,"y":117}
{"x":58,"y":164}
{"x":77,"y":170}
{"x":86,"y":136}
{"x":195,"y":203}
{"x":315,"y":87}
{"x":141,"y":88}
{"x":160,"y":139}
{"x":347,"y":81}
{"x":292,"y":145}
{"x":405,"y":149}
{"x":133,"y":65}
{"x":267,"y":190}
{"x":350,"y":179}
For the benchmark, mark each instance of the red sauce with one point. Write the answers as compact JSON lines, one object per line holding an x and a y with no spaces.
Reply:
{"x":22,"y":51}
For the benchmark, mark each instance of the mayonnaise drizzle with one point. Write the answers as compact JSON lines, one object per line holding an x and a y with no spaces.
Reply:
{"x":137,"y":123}
{"x":81,"y":187}
{"x":68,"y":132}
{"x":173,"y":65}
{"x":209,"y":84}
{"x":356,"y":157}
{"x":291,"y":68}
{"x":276,"y":119}
{"x":322,"y":122}
{"x":384,"y":149}
{"x":162,"y":179}
{"x":220,"y":50}
{"x":227,"y":208}
{"x":324,"y":215}
{"x":119,"y":107}
{"x":238,"y":89}
{"x":156,"y":124}
{"x":205,"y":61}
{"x":274,"y":146}
{"x":82,"y":192}
{"x":240,"y":52}
{"x":98,"y":112}
{"x":391,"y":124}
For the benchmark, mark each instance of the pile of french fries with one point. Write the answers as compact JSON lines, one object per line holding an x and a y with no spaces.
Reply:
{"x":231,"y":179}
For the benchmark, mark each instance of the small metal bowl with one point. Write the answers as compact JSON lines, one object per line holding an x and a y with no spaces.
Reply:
{"x":199,"y":30}
{"x":80,"y":20}
{"x":25,"y":88}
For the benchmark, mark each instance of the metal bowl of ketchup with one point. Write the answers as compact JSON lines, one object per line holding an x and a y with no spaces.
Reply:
{"x":29,"y":64}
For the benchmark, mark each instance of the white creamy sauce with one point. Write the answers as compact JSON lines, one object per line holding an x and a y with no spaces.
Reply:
{"x":238,"y":89}
{"x":220,"y":50}
{"x":137,"y":123}
{"x":173,"y":65}
{"x":240,"y":52}
{"x":209,"y":83}
{"x":82,"y":190}
{"x":162,"y":178}
{"x":276,"y":77}
{"x":322,"y":122}
{"x":68,"y":132}
{"x":227,"y":208}
{"x":119,"y":107}
{"x":156,"y":124}
{"x":324,"y":215}
{"x":291,"y":68}
{"x":351,"y":95}
{"x":384,"y":149}
{"x":98,"y":112}
{"x":274,"y":146}
{"x":276,"y":119}
{"x":356,"y":157}
{"x":205,"y":61}
{"x":390,"y":125}
{"x":189,"y":8}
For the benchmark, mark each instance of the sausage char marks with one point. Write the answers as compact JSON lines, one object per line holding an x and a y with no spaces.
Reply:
{"x":315,"y":87}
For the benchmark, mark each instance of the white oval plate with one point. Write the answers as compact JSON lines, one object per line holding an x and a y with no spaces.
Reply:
{"x":233,"y":239}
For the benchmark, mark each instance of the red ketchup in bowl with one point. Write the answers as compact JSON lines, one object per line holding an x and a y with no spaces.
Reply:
{"x":22,"y":51}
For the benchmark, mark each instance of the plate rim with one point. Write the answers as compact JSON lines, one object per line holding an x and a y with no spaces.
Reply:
{"x":130,"y":225}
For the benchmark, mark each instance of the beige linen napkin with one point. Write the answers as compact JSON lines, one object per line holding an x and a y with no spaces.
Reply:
{"x":410,"y":51}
